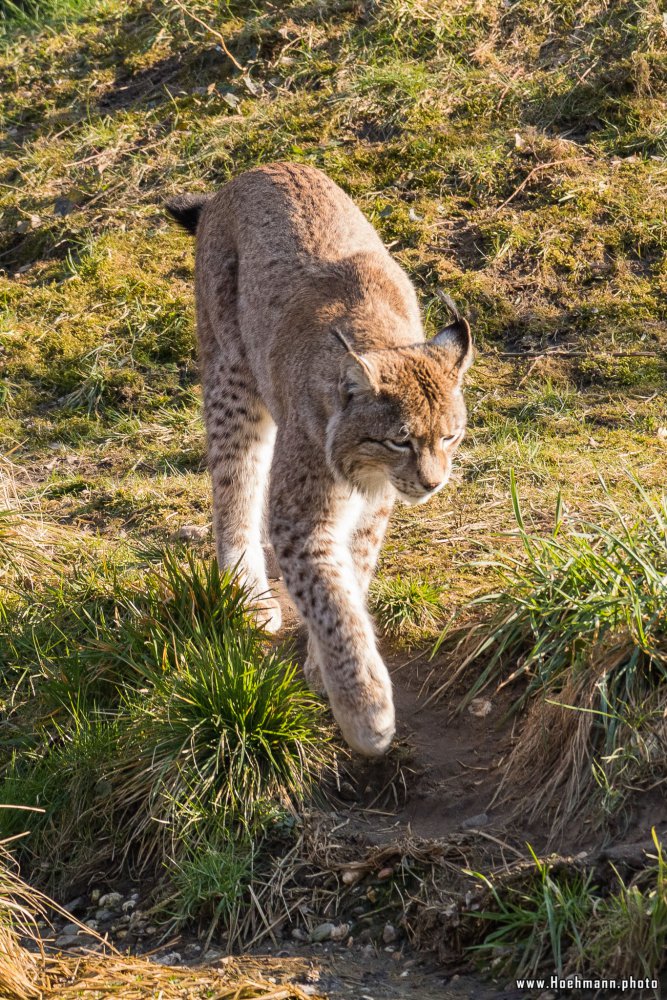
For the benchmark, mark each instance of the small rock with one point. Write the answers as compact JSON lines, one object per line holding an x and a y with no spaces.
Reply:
{"x":95,"y":895}
{"x":151,"y":929}
{"x":111,"y":900}
{"x":171,"y":958}
{"x":192,"y":949}
{"x":128,"y":905}
{"x":352,"y":875}
{"x":70,"y":929}
{"x":389,"y":934}
{"x":103,"y":914}
{"x":473,"y":822}
{"x":93,"y":924}
{"x":65,"y":941}
{"x":63,"y":206}
{"x":347,"y":791}
{"x":75,"y":905}
{"x":322,"y":932}
{"x":298,"y":935}
{"x":385,"y":873}
{"x":480,"y":707}
{"x":339,"y":932}
{"x":212,"y":955}
{"x":121,"y":934}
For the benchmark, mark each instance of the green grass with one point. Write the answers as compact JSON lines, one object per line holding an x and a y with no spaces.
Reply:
{"x":405,"y":608}
{"x":551,"y":918}
{"x":537,"y":924}
{"x":144,"y":707}
{"x":583,"y":613}
{"x":33,"y":15}
{"x":209,"y":886}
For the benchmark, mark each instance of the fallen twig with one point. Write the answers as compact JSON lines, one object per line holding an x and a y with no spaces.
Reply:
{"x":531,"y":174}
{"x":212,"y":31}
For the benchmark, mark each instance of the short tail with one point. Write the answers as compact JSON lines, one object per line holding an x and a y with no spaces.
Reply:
{"x":186,"y":209}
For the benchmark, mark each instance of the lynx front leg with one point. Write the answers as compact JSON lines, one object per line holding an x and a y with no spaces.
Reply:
{"x":369,"y":534}
{"x":310,"y":521}
{"x":240,"y":436}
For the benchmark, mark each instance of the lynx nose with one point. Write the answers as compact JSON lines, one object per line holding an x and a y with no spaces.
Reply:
{"x":428,"y":485}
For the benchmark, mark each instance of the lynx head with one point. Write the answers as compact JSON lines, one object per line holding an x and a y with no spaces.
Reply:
{"x":401,"y":414}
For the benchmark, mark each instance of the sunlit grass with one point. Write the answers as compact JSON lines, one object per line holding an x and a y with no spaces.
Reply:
{"x":550,"y":917}
{"x":579,"y":629}
{"x":405,"y":607}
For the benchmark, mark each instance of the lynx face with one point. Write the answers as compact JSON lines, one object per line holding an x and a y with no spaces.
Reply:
{"x":401,"y":416}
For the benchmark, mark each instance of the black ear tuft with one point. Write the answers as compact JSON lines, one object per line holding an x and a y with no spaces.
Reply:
{"x":456,"y":339}
{"x":186,"y":209}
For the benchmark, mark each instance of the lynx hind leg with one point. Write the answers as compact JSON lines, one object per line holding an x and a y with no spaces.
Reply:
{"x":240,"y":436}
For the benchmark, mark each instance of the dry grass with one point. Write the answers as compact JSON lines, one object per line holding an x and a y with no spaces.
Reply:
{"x":36,"y":972}
{"x":98,"y":978}
{"x":27,"y":538}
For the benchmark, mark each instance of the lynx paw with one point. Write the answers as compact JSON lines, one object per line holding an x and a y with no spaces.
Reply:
{"x":369,"y":726}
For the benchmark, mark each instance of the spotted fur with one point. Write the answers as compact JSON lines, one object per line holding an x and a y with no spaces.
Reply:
{"x":318,"y":385}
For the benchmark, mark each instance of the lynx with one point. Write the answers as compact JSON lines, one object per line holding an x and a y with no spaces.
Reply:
{"x":319,"y":387}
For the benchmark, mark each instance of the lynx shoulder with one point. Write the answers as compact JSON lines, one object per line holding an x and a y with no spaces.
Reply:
{"x":320,"y":391}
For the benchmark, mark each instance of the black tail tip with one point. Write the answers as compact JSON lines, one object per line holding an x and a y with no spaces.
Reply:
{"x":186,"y":209}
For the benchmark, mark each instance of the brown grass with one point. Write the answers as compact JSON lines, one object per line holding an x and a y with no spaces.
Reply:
{"x":28,"y":969}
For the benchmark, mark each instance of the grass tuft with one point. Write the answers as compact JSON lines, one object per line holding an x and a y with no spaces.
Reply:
{"x":209,"y":886}
{"x":551,"y":917}
{"x":535,"y":924}
{"x":225,"y":735}
{"x":405,"y":607}
{"x":581,"y":620}
{"x":159,"y":715}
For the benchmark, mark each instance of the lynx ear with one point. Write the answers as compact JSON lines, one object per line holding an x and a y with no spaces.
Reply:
{"x":455,"y":340}
{"x":358,"y":372}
